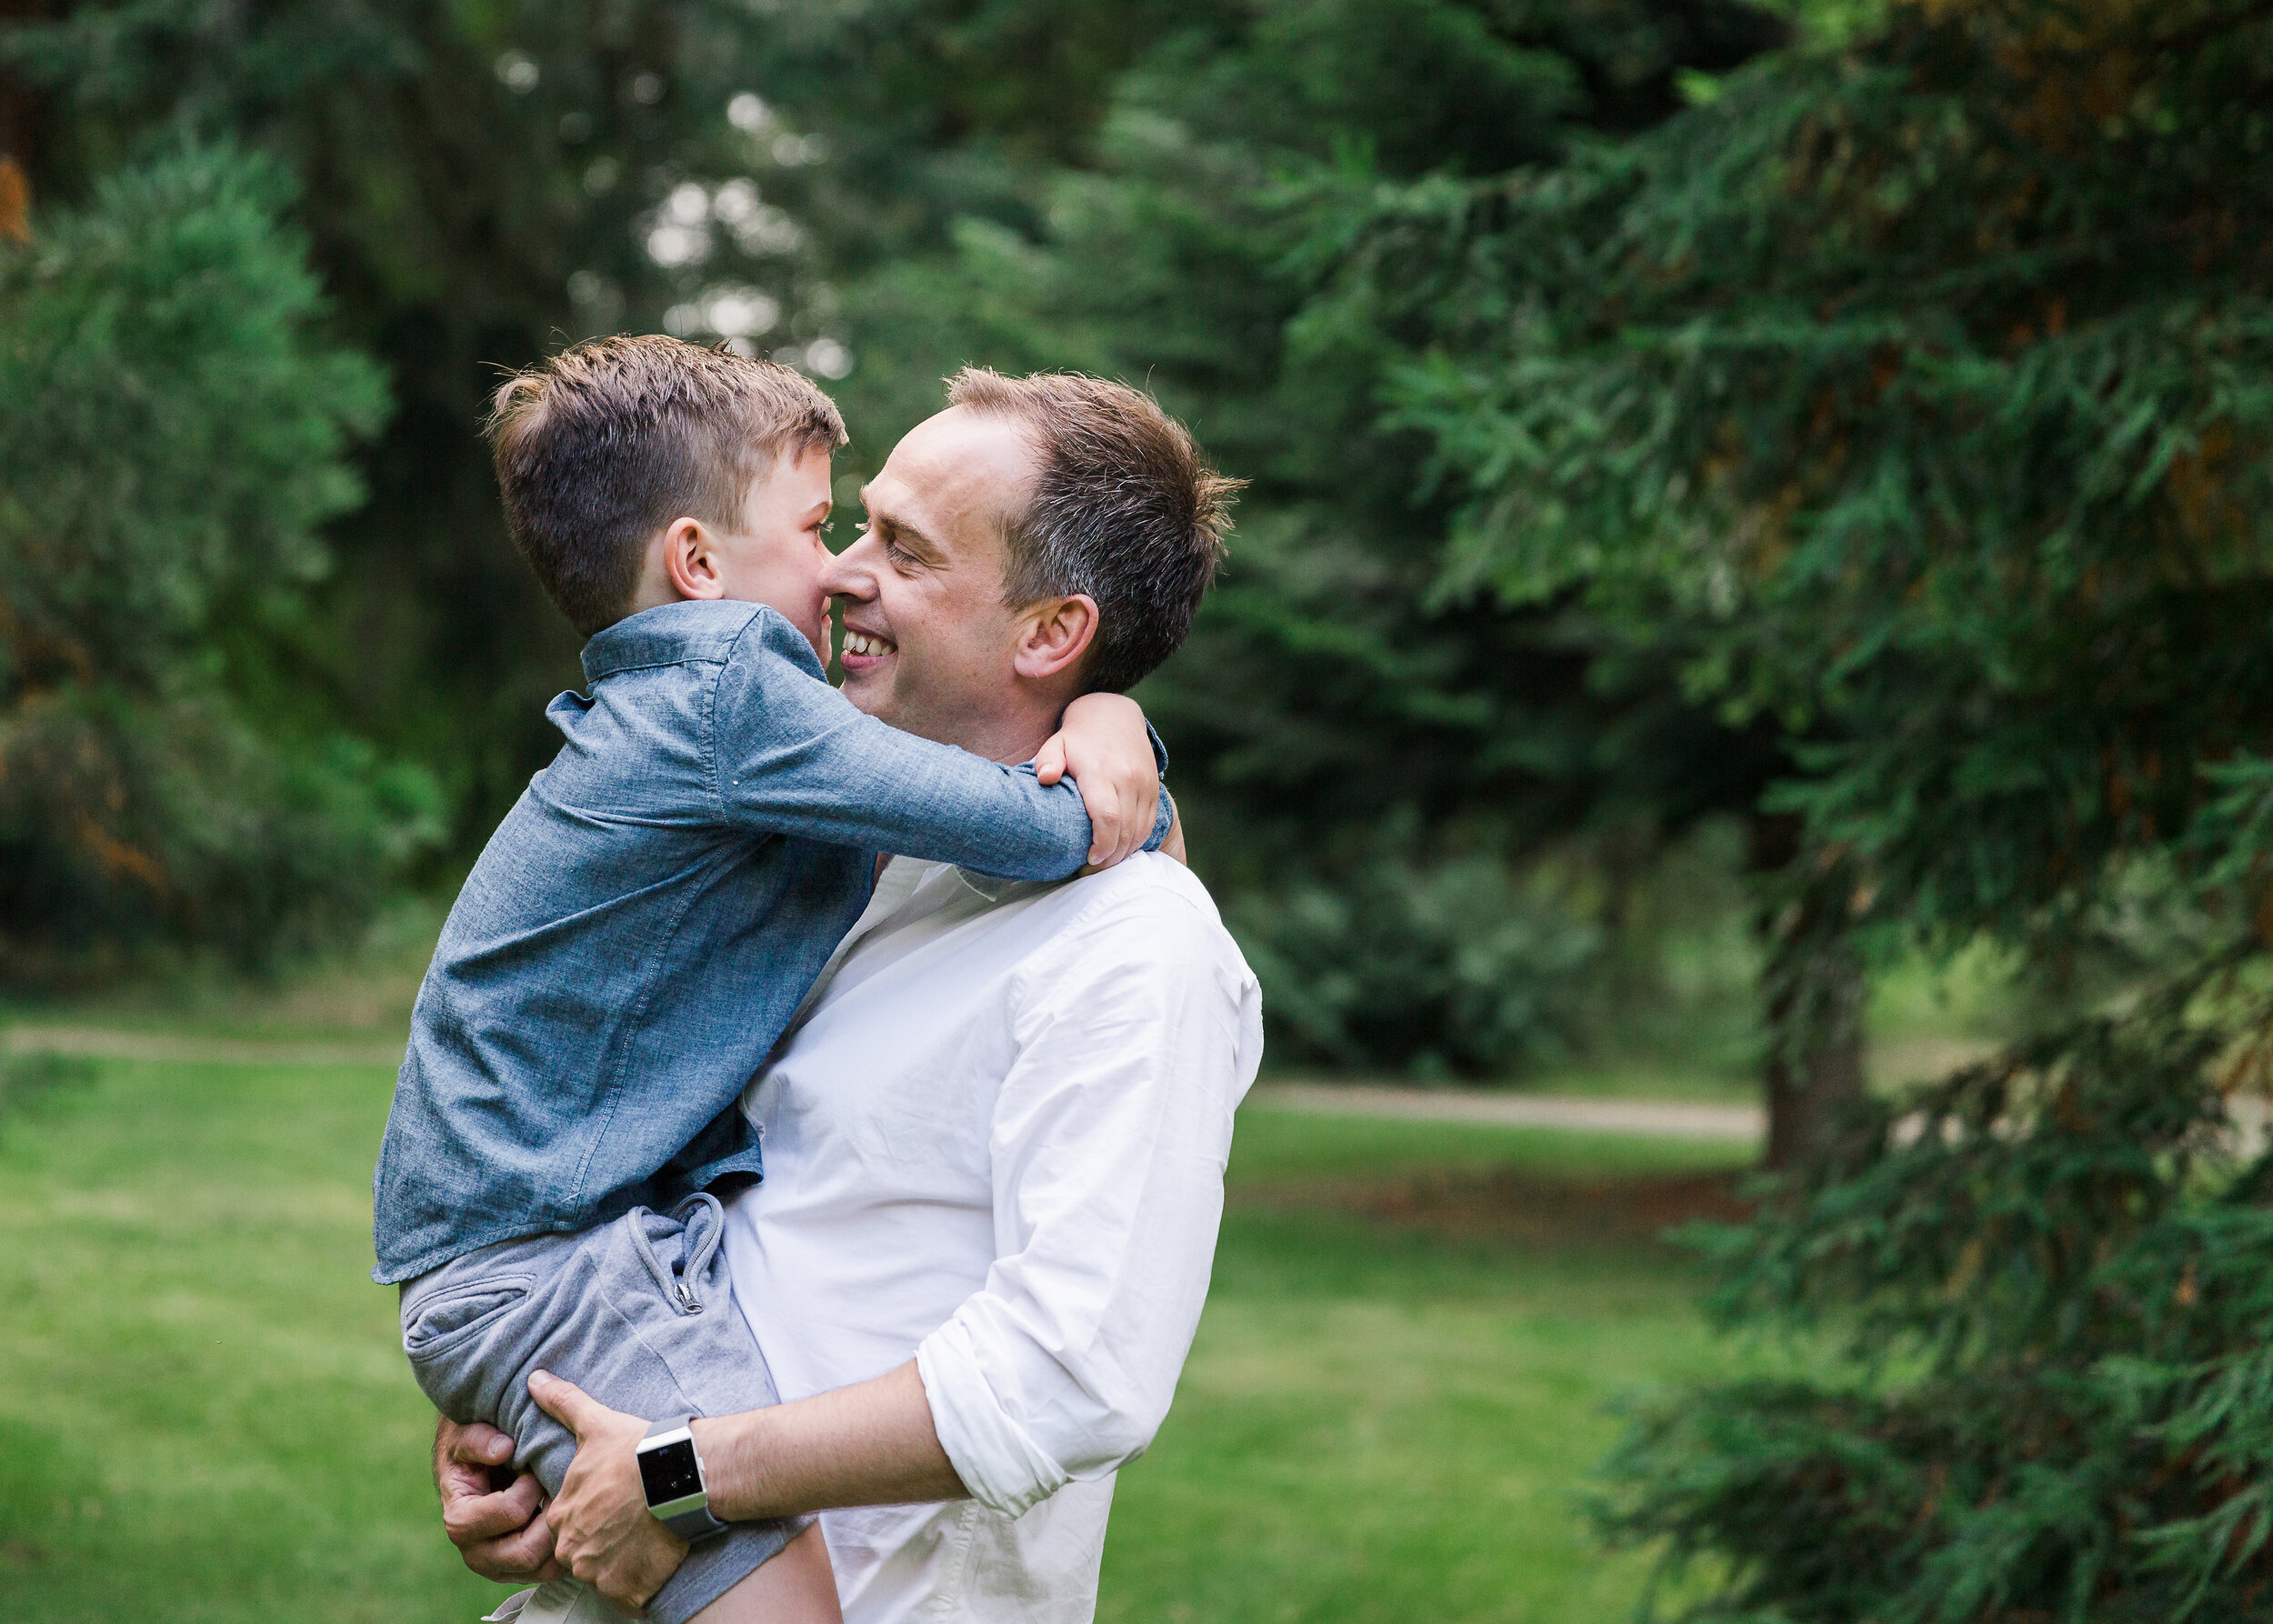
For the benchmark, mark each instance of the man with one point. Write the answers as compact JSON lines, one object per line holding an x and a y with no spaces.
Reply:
{"x":995,"y":1138}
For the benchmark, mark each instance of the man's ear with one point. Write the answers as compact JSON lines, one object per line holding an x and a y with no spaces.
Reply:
{"x":1052,"y":635}
{"x":689,"y":562}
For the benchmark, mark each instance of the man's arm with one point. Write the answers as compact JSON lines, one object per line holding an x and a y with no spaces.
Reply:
{"x":866,"y":1445}
{"x":871,"y":1444}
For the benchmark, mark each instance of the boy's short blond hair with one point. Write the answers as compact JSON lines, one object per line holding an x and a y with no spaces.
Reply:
{"x":600,"y":447}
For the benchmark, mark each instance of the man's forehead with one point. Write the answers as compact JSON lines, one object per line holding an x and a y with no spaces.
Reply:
{"x":951,"y":470}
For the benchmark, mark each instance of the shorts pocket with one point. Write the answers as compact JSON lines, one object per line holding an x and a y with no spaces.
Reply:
{"x":452,"y":1316}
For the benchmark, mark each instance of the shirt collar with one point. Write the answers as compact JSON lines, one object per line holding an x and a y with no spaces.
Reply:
{"x":670,"y":634}
{"x":1005,"y":891}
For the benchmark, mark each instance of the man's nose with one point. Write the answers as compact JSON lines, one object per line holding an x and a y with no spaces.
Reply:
{"x":847,"y":574}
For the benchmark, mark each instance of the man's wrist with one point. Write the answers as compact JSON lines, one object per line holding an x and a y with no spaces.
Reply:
{"x":871,"y":1444}
{"x":729,"y":1446}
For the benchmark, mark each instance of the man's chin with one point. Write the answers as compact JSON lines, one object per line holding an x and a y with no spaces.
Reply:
{"x":870,"y":691}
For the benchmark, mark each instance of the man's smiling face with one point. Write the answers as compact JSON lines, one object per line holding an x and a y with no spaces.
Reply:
{"x":928,"y":640}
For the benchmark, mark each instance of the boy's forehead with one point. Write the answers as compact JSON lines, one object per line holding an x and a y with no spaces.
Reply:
{"x":804,"y":478}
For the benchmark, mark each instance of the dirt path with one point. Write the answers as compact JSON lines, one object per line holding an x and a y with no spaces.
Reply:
{"x":1667,"y":1117}
{"x":101,"y":1043}
{"x":1358,"y":1099}
{"x":1654,"y":1117}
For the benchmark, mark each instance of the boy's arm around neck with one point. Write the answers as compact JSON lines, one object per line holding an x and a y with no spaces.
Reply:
{"x":789,"y":754}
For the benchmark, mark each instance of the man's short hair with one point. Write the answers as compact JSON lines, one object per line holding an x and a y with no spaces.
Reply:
{"x":1125,"y":509}
{"x":603,"y":445}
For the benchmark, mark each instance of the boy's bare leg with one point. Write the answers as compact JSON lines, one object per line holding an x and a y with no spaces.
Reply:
{"x":797,"y":1586}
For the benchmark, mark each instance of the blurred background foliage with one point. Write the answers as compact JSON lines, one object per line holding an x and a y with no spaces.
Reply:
{"x":1791,"y":479}
{"x":173,"y":433}
{"x":881,"y":192}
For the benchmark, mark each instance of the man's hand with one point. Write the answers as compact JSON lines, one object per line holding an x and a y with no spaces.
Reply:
{"x":602,"y":1528}
{"x":497,"y":1529}
{"x":1104,"y":745}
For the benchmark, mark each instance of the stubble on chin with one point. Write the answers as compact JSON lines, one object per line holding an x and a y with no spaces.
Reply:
{"x":870,"y":698}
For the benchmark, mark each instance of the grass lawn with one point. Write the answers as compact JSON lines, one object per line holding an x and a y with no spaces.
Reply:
{"x":1392,"y":1404}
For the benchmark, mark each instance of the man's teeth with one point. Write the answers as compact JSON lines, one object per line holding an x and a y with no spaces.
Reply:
{"x":861,"y":642}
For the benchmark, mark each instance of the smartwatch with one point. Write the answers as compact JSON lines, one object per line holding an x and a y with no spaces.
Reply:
{"x":672,"y":1475}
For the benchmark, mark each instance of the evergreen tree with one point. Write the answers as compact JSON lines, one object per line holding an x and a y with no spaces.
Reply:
{"x":1922,"y":391}
{"x":1368,"y":765}
{"x":172,"y":437}
{"x":920,"y":183}
{"x":479,"y":185}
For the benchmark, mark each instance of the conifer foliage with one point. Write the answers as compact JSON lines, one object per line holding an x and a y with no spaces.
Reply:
{"x":1371,"y":769}
{"x":1923,"y":391}
{"x":172,"y":434}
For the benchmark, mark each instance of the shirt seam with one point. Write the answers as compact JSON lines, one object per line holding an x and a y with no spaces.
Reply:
{"x":1021,"y":978}
{"x":616,"y":1061}
{"x":677,"y":659}
{"x":948,"y":1599}
{"x":710,"y":737}
{"x":710,"y":715}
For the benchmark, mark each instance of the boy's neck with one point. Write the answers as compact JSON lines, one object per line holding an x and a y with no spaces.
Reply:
{"x":655,"y":590}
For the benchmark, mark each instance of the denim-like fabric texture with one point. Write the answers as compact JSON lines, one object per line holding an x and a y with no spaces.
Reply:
{"x":642,"y":925}
{"x":640,"y":1314}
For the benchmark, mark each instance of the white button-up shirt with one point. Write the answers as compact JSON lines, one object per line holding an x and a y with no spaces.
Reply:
{"x":995,"y":1140}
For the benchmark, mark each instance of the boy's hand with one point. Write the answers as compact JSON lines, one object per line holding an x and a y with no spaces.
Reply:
{"x":605,"y":1533}
{"x":1104,"y":745}
{"x":497,"y":1530}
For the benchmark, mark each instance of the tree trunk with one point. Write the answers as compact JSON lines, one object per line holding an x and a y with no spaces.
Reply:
{"x":22,"y":115}
{"x":1813,"y":988}
{"x":1813,"y":1073}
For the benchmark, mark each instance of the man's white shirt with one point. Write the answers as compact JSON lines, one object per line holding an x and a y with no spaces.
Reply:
{"x":995,"y":1140}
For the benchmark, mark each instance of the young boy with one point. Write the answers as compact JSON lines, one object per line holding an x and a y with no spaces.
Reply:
{"x":644,"y":923}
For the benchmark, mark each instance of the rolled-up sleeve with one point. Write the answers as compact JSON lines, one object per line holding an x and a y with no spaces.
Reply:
{"x":1108,"y":1144}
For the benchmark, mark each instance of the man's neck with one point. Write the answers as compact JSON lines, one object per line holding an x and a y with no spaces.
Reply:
{"x":1010,"y":733}
{"x":1010,"y":744}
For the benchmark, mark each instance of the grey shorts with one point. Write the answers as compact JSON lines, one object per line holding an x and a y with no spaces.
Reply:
{"x":639,"y":1313}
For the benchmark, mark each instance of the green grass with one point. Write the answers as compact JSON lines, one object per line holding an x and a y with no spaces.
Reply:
{"x":365,"y":990}
{"x":1381,"y":1429}
{"x":204,"y":1414}
{"x":1386,"y":1425}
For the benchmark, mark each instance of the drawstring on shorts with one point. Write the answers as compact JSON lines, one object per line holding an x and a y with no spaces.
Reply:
{"x":694,"y":1250}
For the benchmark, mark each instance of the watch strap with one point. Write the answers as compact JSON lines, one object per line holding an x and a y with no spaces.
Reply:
{"x":690,"y":1522}
{"x":693,"y":1525}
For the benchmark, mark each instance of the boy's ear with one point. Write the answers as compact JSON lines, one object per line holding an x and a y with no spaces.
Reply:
{"x":1052,"y":635}
{"x":687,"y":560}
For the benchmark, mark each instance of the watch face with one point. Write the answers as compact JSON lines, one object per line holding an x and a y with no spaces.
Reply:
{"x":668,"y":1473}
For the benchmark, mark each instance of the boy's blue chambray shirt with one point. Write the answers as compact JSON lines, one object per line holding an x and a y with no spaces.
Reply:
{"x":645,"y":921}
